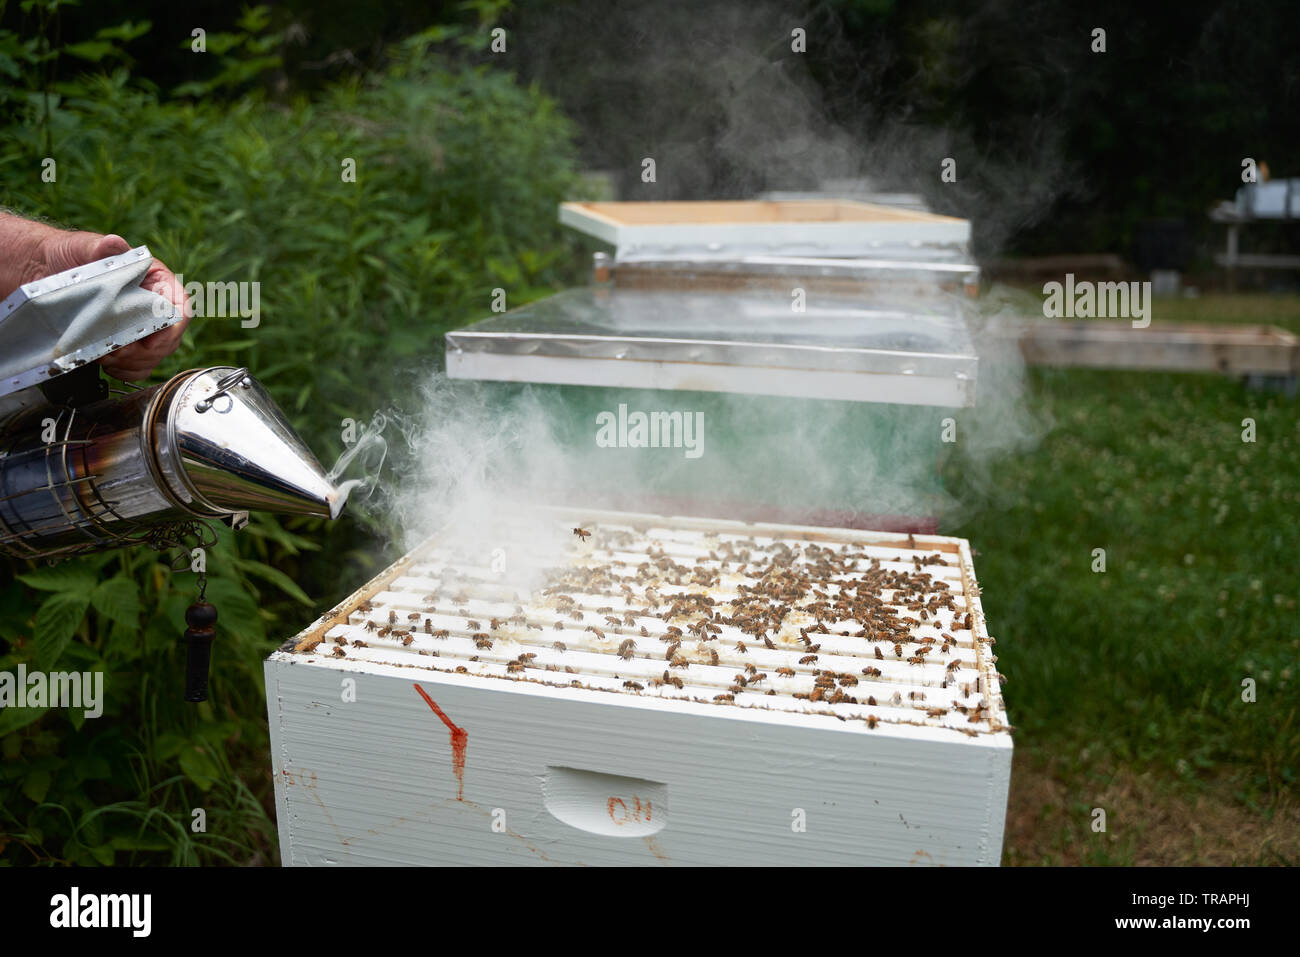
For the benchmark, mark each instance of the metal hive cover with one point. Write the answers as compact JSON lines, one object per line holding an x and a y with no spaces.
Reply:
{"x":909,"y":352}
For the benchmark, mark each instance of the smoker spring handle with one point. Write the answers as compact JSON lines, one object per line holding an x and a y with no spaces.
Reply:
{"x":225,"y":384}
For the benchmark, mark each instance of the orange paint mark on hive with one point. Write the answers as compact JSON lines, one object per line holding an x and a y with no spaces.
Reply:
{"x":459,"y":741}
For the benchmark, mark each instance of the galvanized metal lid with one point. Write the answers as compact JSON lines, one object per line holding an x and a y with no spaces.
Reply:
{"x":914,"y":352}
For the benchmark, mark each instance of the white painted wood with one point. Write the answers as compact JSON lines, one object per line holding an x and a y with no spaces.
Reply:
{"x":366,"y":773}
{"x":837,"y":227}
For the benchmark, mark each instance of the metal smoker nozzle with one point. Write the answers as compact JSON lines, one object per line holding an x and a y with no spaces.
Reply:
{"x":209,"y":444}
{"x":222,"y":439}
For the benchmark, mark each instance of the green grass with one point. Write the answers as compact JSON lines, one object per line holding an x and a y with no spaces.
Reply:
{"x":1139,"y":670}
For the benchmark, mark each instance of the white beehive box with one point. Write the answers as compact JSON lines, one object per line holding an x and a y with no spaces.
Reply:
{"x":832,"y":699}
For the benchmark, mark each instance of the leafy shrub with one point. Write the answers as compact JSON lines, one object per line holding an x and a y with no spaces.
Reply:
{"x":458,"y":173}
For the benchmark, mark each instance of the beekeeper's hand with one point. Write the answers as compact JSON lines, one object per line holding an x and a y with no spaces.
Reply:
{"x":31,"y":250}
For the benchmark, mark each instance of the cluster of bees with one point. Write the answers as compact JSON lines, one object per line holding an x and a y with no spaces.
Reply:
{"x":832,"y":588}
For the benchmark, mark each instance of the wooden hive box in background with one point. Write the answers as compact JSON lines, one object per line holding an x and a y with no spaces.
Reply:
{"x":410,"y":727}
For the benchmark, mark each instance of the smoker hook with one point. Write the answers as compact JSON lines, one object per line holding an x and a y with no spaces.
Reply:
{"x":224,"y":385}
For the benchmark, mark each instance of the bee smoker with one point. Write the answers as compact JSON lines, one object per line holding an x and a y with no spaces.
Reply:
{"x":82,"y":471}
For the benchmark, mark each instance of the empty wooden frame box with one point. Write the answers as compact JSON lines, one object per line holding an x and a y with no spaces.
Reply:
{"x":654,"y":691}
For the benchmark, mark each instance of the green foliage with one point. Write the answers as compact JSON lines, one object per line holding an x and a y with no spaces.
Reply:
{"x":1141,"y":666}
{"x":459,"y":171}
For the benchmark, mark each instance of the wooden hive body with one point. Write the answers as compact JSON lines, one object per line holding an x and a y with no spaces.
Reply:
{"x":393,"y":743}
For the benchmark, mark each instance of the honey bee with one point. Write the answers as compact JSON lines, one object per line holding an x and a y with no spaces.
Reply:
{"x":413,"y":616}
{"x":392,"y":617}
{"x":576,"y":615}
{"x":871,"y":721}
{"x":768,"y":642}
{"x":936,"y":712}
{"x":629,"y":619}
{"x":785,"y":672}
{"x":757,"y":677}
{"x":441,"y":633}
{"x":529,"y":656}
{"x":807,"y":659}
{"x":674,"y":631}
{"x":878,"y":654}
{"x":472,"y":625}
{"x":632,"y":685}
{"x":740,"y":646}
{"x":358,"y":643}
{"x":871,"y":672}
{"x":916,"y":695}
{"x":679,"y":662}
{"x":385,"y":631}
{"x":559,"y":626}
{"x":627,"y":649}
{"x":954,"y":664}
{"x":514,"y":666}
{"x":644,"y":632}
{"x":713,"y":657}
{"x":407,"y":640}
{"x":817,"y":694}
{"x":848,"y":681}
{"x":339,"y":652}
{"x":871,"y":700}
{"x":596,"y":631}
{"x":366,"y":606}
{"x":898,"y":650}
{"x":916,"y":660}
{"x":482,"y":641}
{"x":968,"y":624}
{"x":560,"y":646}
{"x":494,"y":624}
{"x":724,"y":697}
{"x":614,"y":622}
{"x":582,"y":533}
{"x":370,"y":625}
{"x":740,"y":680}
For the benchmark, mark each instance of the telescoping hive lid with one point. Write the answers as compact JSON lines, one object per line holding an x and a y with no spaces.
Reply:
{"x":684,"y":681}
{"x":728,"y":229}
{"x":746,"y":341}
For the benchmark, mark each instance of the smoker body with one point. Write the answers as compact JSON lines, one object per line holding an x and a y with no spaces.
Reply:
{"x":449,"y":737}
{"x":208,"y":445}
{"x":80,"y":472}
